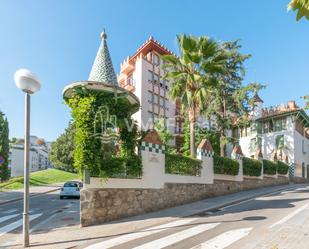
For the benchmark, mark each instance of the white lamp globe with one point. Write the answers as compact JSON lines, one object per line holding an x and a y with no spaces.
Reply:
{"x":27,"y":81}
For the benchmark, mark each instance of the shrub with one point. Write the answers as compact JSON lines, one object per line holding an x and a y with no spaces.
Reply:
{"x":251,"y":167}
{"x":270,"y":168}
{"x":225,"y":165}
{"x":120,"y":167}
{"x":283,"y":168}
{"x":182,"y":165}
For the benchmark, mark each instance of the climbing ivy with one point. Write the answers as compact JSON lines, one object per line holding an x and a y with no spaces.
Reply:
{"x":96,"y":114}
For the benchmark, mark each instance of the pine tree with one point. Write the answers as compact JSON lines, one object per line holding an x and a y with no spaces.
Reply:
{"x":4,"y":147}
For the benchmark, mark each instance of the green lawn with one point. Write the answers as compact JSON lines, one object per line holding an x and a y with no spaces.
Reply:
{"x":39,"y":178}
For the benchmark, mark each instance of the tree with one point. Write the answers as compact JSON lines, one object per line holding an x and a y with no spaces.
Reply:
{"x":201,"y":133}
{"x":191,"y":75}
{"x":4,"y":148}
{"x":230,"y":102}
{"x":302,"y":8}
{"x":61,"y":154}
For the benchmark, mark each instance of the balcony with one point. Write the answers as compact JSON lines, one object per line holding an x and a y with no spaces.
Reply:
{"x":128,"y":84}
{"x":126,"y":67}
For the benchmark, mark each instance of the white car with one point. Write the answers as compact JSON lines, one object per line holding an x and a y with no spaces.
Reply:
{"x":71,"y":189}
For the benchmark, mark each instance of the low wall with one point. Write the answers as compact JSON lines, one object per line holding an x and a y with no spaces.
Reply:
{"x":100,"y":205}
{"x":296,"y":179}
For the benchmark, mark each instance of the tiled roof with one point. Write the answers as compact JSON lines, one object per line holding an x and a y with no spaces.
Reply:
{"x":152,"y":137}
{"x":102,"y":69}
{"x":151,"y":44}
{"x":256,"y":98}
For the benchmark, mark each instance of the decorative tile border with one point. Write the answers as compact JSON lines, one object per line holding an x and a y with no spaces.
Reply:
{"x":154,"y":148}
{"x":292,"y":170}
{"x":206,"y":153}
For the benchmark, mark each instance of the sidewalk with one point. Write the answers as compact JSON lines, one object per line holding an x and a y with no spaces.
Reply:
{"x":76,"y":237}
{"x":14,"y":195}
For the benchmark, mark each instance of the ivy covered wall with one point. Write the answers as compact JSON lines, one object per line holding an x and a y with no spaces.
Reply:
{"x":98,"y":117}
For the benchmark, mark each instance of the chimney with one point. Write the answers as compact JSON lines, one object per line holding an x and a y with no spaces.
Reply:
{"x":292,"y":105}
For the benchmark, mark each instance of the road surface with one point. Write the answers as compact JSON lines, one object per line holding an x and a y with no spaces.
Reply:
{"x":47,"y":212}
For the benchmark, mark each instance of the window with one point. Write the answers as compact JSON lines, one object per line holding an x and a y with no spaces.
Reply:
{"x":150,"y":73}
{"x":279,"y":142}
{"x":280,"y":124}
{"x":156,"y":59}
{"x":303,"y":147}
{"x":156,"y":78}
{"x":155,"y":99}
{"x":149,"y":97}
{"x":162,"y":102}
{"x":268,"y":126}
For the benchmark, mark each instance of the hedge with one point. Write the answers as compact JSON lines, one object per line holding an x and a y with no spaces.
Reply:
{"x":182,"y":165}
{"x":283,"y":168}
{"x":270,"y":168}
{"x":251,"y":167}
{"x":225,"y":165}
{"x":120,"y":167}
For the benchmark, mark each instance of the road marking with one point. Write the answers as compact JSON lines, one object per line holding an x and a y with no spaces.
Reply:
{"x":224,"y":240}
{"x":291,"y":215}
{"x":136,"y":235}
{"x":177,"y":237}
{"x":10,"y":211}
{"x":8,"y":217}
{"x":16,"y":224}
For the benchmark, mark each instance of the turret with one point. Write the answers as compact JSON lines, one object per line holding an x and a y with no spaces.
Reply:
{"x":257,"y":106}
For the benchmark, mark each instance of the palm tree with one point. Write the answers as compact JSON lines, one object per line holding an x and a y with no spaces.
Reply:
{"x":192,"y":75}
{"x":302,"y":8}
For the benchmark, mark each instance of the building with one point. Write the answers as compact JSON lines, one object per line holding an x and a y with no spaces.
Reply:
{"x":277,"y":133}
{"x":141,"y":74}
{"x":38,"y":160}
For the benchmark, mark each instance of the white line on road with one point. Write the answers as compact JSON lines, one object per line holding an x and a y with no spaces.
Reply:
{"x":224,"y":240}
{"x":291,"y":215}
{"x":16,"y":224}
{"x":136,"y":235}
{"x":10,"y":211}
{"x":177,"y":237}
{"x":4,"y":218}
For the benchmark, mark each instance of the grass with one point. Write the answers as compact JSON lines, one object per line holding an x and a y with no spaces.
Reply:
{"x":39,"y":178}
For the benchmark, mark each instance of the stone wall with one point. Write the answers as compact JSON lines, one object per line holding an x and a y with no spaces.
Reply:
{"x":296,"y":179}
{"x":99,"y":205}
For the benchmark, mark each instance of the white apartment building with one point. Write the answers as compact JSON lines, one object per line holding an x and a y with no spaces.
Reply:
{"x":280,"y":133}
{"x":39,"y":151}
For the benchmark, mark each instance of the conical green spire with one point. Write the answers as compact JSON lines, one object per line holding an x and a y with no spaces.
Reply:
{"x":102,"y":69}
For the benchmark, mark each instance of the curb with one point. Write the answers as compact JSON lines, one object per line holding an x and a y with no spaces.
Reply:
{"x":31,"y":195}
{"x":219,"y":206}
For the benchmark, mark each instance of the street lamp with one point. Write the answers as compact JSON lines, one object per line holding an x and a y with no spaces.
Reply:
{"x":28,"y":83}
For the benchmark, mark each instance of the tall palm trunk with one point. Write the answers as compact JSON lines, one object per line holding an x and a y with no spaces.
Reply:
{"x":192,"y":119}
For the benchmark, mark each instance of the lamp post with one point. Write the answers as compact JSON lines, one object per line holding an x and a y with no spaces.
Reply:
{"x":28,"y":83}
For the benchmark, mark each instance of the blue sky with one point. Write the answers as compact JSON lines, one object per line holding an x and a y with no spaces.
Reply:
{"x":58,"y":40}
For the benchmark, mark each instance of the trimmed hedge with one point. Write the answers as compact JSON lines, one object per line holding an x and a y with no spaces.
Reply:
{"x":120,"y":167}
{"x":251,"y":167}
{"x":283,"y":168}
{"x":270,"y":167}
{"x":225,"y":165}
{"x":182,"y":165}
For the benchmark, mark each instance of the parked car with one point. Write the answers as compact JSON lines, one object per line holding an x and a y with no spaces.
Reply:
{"x":71,"y":189}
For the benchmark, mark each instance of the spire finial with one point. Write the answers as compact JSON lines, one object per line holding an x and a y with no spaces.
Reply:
{"x":104,"y":35}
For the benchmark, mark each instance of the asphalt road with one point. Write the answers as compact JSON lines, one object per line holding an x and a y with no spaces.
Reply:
{"x":47,"y":212}
{"x":249,"y":224}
